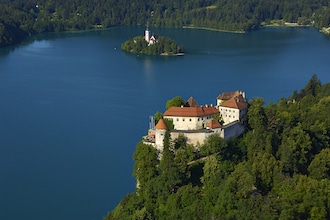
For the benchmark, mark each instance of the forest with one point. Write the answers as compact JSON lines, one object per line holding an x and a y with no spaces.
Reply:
{"x":278,"y":169}
{"x":22,"y":18}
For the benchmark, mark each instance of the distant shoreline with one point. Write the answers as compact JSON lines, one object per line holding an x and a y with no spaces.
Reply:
{"x":263,"y":25}
{"x":214,"y":29}
{"x":284,"y":24}
{"x":323,"y":30}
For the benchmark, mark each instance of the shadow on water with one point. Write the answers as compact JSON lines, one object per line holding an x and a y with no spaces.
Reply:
{"x":54,"y":36}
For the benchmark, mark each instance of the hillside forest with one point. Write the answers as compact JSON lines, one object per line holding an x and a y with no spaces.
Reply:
{"x":22,"y":18}
{"x":279,"y":169}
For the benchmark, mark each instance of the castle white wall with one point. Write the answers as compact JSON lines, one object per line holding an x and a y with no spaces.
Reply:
{"x":198,"y":137}
{"x":233,"y":129}
{"x":193,"y":138}
{"x":219,"y":102}
{"x":229,"y":114}
{"x":159,"y":139}
{"x":189,"y":123}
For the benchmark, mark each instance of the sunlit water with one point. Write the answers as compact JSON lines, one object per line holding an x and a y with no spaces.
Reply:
{"x":73,"y":106}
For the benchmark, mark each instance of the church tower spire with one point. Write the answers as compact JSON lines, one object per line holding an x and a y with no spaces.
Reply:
{"x":147,"y":33}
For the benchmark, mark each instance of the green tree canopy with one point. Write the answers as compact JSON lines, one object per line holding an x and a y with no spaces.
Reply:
{"x":176,"y":101}
{"x":319,"y":168}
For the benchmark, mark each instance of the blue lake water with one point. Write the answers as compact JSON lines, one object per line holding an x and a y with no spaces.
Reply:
{"x":73,"y":106}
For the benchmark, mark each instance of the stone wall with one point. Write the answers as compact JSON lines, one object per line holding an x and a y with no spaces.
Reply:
{"x":194,"y":138}
{"x":233,"y":129}
{"x":197,"y":137}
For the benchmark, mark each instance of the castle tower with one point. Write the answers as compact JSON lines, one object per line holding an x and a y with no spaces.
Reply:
{"x":161,"y":129}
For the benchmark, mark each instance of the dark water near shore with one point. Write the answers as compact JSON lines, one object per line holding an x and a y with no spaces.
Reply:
{"x":73,"y":106}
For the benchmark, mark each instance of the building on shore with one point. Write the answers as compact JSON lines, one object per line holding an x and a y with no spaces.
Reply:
{"x":197,"y":122}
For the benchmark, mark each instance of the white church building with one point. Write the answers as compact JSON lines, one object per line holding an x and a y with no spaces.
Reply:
{"x":150,"y":39}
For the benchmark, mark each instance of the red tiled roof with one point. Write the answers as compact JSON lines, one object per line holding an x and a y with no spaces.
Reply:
{"x":192,"y":102}
{"x":237,"y":102}
{"x":161,"y":125}
{"x":191,"y":111}
{"x":213,"y":124}
{"x":228,"y":95}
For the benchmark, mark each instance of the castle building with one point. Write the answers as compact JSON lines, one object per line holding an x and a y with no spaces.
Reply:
{"x":232,"y":106}
{"x":225,"y":96}
{"x":190,"y":118}
{"x":197,"y":122}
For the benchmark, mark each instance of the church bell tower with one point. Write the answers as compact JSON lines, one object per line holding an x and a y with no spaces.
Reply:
{"x":147,"y":35}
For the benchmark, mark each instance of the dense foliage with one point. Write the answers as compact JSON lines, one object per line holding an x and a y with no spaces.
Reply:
{"x":21,"y":18}
{"x":164,"y":46}
{"x":175,"y":102}
{"x":279,"y":169}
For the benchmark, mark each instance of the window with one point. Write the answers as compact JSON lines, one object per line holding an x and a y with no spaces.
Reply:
{"x":177,"y":119}
{"x":189,"y":119}
{"x":183,"y":119}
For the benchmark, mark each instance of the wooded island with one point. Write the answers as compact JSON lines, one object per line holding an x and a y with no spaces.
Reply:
{"x":152,"y":45}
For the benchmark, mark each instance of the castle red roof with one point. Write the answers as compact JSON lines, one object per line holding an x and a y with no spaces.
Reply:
{"x":191,"y":111}
{"x":161,"y":125}
{"x":237,"y":102}
{"x":228,"y":95}
{"x":213,"y":124}
{"x":192,"y":102}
